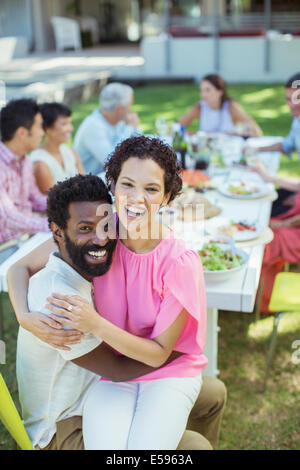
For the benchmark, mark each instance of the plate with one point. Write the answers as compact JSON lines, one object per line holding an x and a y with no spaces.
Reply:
{"x":213,"y":228}
{"x":226,"y":274}
{"x":239,"y":189}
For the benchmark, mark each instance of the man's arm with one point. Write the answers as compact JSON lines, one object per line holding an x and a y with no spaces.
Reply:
{"x":104,"y":362}
{"x":271,"y":148}
{"x":16,"y":220}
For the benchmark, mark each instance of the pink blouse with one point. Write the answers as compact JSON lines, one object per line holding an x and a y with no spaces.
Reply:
{"x":144,"y":293}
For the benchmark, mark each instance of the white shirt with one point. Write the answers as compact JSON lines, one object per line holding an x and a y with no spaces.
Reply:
{"x":59,"y":173}
{"x":51,"y":387}
{"x":96,"y":138}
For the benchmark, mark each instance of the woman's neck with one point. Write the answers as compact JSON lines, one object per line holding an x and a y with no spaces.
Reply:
{"x":216,"y":106}
{"x":52,"y":147}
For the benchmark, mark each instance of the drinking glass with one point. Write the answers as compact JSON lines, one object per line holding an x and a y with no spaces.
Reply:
{"x":161,"y":126}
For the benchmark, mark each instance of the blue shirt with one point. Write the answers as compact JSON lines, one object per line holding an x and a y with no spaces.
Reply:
{"x":292,"y":141}
{"x":96,"y":138}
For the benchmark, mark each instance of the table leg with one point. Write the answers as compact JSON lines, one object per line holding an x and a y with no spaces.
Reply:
{"x":211,"y":348}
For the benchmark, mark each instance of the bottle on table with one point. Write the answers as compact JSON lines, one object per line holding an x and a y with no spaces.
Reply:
{"x":179,"y":143}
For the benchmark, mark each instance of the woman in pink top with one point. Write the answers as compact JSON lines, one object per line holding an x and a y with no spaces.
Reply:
{"x":151,"y":301}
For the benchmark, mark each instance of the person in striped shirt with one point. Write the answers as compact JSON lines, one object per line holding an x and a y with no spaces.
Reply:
{"x":20,"y":199}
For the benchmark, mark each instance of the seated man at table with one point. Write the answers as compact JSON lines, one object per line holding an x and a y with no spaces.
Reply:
{"x":104,"y":128}
{"x":54,"y":381}
{"x":21,"y":132}
{"x":286,"y":198}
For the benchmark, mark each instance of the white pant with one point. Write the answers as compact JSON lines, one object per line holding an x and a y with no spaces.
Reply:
{"x":139,"y":415}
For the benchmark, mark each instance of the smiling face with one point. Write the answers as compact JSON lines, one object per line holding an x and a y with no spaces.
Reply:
{"x":84,"y":244}
{"x":61,"y":130}
{"x":210,"y":94}
{"x":139,"y":193}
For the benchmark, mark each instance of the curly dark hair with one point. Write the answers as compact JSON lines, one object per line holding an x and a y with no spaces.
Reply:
{"x":146,"y":147}
{"x":79,"y":188}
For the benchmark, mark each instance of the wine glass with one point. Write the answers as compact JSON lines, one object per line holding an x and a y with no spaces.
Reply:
{"x":161,"y":126}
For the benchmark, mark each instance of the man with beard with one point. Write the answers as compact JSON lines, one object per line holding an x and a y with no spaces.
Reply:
{"x":52,"y":388}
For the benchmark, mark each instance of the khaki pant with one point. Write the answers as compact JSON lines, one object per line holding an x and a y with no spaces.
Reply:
{"x":202,"y":432}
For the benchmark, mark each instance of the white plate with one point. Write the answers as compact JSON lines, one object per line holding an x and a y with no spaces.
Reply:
{"x":212,"y":228}
{"x":262,"y":190}
{"x":226,"y":274}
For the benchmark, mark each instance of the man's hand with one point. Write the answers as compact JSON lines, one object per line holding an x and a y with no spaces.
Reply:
{"x":132,"y":119}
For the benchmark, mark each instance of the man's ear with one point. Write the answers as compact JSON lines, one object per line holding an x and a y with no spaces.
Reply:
{"x":21,"y":132}
{"x":58,"y":233}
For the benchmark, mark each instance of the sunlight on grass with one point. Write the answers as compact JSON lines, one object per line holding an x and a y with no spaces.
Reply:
{"x":268,"y":113}
{"x":284,"y":109}
{"x":262,"y":329}
{"x":259,"y":96}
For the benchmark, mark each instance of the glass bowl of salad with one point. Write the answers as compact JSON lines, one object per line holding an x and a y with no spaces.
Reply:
{"x":220,"y":261}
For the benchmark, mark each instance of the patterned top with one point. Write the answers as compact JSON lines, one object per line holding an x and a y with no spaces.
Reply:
{"x":19,"y":197}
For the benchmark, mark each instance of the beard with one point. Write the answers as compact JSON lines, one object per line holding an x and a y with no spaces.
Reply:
{"x":77,"y":253}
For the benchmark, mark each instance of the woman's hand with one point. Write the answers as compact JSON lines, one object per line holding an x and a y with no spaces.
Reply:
{"x":78,"y":312}
{"x":275,"y":224}
{"x":50,"y":330}
{"x":261,"y":170}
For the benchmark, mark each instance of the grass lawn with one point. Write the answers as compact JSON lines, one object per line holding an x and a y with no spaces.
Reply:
{"x":252,"y":420}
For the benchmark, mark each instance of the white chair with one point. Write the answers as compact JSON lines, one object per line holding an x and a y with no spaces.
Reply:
{"x":66,"y":33}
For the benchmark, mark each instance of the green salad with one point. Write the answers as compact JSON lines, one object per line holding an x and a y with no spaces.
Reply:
{"x":215,"y":258}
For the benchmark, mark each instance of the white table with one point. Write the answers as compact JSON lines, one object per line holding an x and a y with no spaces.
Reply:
{"x":25,"y":248}
{"x":239,"y":293}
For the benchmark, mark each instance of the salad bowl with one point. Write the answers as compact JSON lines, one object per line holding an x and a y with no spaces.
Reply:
{"x":221,"y":261}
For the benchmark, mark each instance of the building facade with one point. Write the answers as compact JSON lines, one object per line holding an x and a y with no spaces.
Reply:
{"x":111,"y":21}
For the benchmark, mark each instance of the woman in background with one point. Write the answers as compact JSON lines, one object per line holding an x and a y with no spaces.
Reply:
{"x":55,"y":161}
{"x":285,"y":246}
{"x":218,"y":112}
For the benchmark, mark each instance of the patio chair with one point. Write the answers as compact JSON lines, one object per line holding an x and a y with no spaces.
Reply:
{"x":285,"y":298}
{"x":66,"y":33}
{"x":10,"y":418}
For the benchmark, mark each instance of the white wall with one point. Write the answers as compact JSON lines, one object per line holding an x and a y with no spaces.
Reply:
{"x":15,"y":19}
{"x":241,"y":59}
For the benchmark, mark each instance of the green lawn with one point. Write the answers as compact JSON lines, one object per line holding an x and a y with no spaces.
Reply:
{"x":252,"y":420}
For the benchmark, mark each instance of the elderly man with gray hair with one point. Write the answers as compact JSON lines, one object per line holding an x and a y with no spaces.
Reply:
{"x":106,"y":126}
